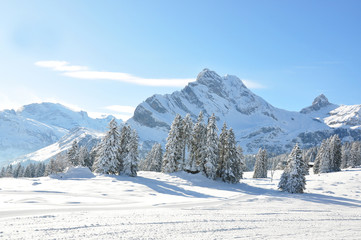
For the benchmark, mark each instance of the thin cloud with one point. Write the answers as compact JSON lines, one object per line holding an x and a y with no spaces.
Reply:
{"x":83,"y":72}
{"x":253,"y":85}
{"x":124,"y":117}
{"x":61,"y":66}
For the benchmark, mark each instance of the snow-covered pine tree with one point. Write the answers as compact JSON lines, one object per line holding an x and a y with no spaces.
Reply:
{"x":84,"y":157}
{"x":187,"y":128}
{"x":355,"y":156}
{"x":319,"y":156}
{"x":223,"y":150}
{"x":241,"y":159}
{"x":107,"y":159}
{"x":173,"y":148}
{"x":211,"y":149}
{"x":196,"y":158}
{"x":231,"y":171}
{"x":260,"y":168}
{"x":17,"y":170}
{"x":346,"y":154}
{"x":39,"y":169}
{"x":130,"y":162}
{"x":293,"y":177}
{"x":154,"y":158}
{"x":2,"y":172}
{"x":326,"y":158}
{"x":125,"y":135}
{"x":336,"y":153}
{"x":72,"y":154}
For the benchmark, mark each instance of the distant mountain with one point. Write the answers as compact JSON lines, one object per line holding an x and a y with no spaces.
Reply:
{"x":39,"y":125}
{"x":49,"y":128}
{"x":85,"y":137}
{"x":256,"y":123}
{"x":55,"y":114}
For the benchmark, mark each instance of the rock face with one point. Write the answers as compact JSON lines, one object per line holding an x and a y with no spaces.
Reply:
{"x":256,"y":123}
{"x":320,"y":102}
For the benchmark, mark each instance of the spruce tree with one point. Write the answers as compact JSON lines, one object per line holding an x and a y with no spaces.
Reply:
{"x":73,"y":154}
{"x":223,"y":149}
{"x":153,"y":160}
{"x":336,"y":153}
{"x":231,"y":171}
{"x":107,"y":160}
{"x":173,"y":149}
{"x":84,"y":157}
{"x":211,"y":150}
{"x":355,"y":156}
{"x":17,"y":170}
{"x":187,"y":128}
{"x":130,"y":162}
{"x":260,"y":168}
{"x":293,"y":177}
{"x":346,"y":154}
{"x":125,"y":136}
{"x":198,"y":140}
{"x":319,"y":157}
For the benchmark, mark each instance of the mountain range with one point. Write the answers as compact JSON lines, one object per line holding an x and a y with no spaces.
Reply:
{"x":49,"y":128}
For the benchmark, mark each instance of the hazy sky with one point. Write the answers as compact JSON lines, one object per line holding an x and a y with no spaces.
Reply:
{"x":109,"y":56}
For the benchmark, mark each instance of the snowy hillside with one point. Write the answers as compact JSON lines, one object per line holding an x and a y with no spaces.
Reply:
{"x":40,"y":125}
{"x":20,"y":135}
{"x":345,"y":116}
{"x":256,"y":123}
{"x":84,"y":137}
{"x":80,"y":205}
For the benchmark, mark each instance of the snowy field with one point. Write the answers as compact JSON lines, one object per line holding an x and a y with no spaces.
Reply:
{"x":79,"y":205}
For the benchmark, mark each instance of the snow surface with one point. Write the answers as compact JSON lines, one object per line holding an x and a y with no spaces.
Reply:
{"x":79,"y":205}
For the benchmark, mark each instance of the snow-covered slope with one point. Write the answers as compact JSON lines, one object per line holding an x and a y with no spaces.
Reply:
{"x":345,"y":116}
{"x":20,"y":135}
{"x":39,"y":125}
{"x":84,"y":137}
{"x":256,"y":123}
{"x":79,"y":205}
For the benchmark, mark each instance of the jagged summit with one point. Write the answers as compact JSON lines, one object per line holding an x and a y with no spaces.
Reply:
{"x":320,"y":102}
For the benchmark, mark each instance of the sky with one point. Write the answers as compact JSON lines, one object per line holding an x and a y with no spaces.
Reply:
{"x":109,"y":56}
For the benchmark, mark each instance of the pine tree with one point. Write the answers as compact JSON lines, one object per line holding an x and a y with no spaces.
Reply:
{"x":293,"y":177}
{"x":39,"y":170}
{"x":84,"y":157}
{"x":2,"y":172}
{"x":336,"y":153}
{"x":231,"y":171}
{"x":223,"y":149}
{"x":130,"y":162}
{"x":17,"y":170}
{"x":198,"y":140}
{"x":153,"y":160}
{"x":211,"y":150}
{"x":346,"y":154}
{"x":125,"y":136}
{"x":107,"y":160}
{"x":355,"y":156}
{"x":73,"y":154}
{"x":260,"y":169}
{"x":173,"y":149}
{"x":319,"y":157}
{"x":186,"y":136}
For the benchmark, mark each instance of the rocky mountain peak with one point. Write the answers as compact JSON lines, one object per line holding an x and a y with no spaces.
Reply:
{"x":320,"y":101}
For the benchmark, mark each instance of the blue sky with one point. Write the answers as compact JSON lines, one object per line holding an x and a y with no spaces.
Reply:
{"x":108,"y":56}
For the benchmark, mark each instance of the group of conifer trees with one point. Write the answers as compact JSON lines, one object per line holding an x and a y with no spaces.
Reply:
{"x":198,"y":148}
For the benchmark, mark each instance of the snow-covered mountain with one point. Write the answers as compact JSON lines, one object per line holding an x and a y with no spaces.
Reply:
{"x":256,"y":123}
{"x":39,"y":125}
{"x":55,"y":114}
{"x":84,"y":137}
